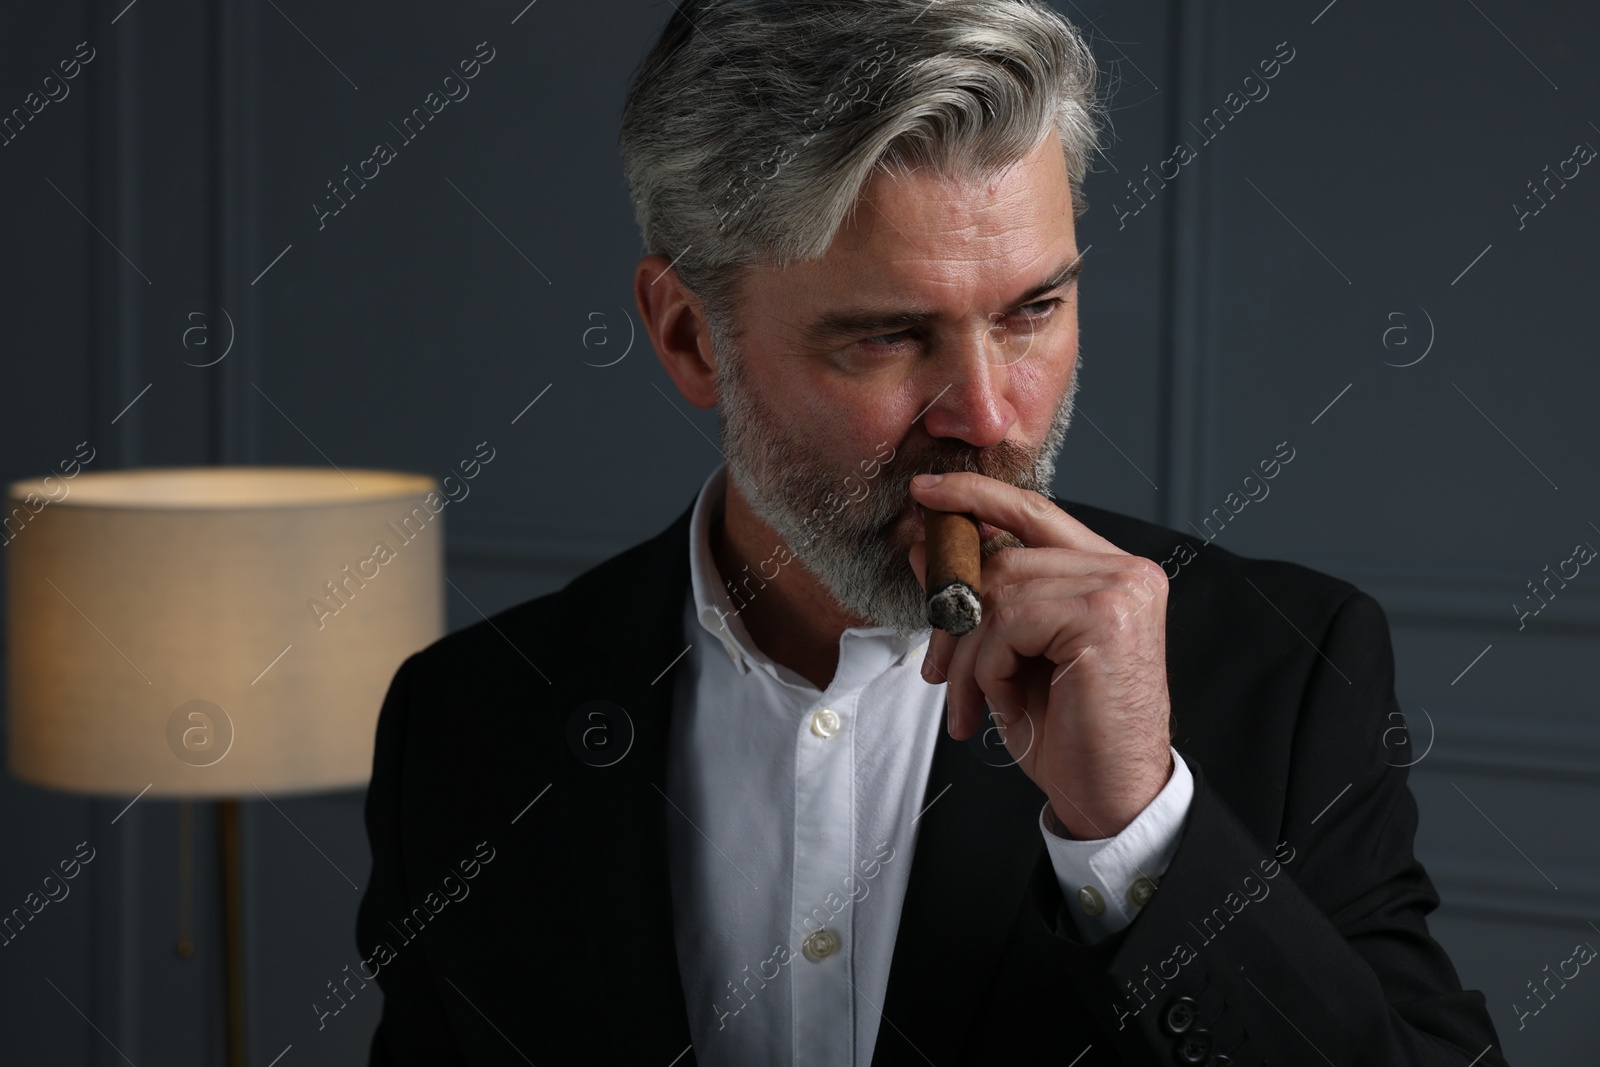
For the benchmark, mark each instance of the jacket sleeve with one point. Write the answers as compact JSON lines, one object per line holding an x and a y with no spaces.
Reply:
{"x":1311,"y":949}
{"x":414,"y":1028}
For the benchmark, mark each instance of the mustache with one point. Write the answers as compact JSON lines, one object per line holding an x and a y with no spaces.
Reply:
{"x":1005,"y":461}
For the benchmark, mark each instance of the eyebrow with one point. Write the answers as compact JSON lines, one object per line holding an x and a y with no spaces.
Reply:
{"x":867,"y":322}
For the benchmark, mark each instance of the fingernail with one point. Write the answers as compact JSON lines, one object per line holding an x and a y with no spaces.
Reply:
{"x":923,"y":481}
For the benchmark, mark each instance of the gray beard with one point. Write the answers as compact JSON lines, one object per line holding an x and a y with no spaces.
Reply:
{"x":857,"y":555}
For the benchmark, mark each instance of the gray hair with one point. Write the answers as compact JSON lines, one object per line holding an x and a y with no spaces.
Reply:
{"x":753,"y":125}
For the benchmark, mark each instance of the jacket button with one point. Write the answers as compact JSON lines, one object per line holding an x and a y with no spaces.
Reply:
{"x":1179,"y":1015}
{"x":1194,"y":1047}
{"x":1220,"y":1060}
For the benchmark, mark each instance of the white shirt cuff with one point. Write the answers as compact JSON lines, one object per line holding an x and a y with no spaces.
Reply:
{"x":1105,"y":882}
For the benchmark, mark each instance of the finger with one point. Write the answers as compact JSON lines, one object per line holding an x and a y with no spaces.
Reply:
{"x":1029,"y":629}
{"x":942,"y":648}
{"x":1003,"y":662}
{"x":1027,"y":635}
{"x":1031,"y":516}
{"x":940,"y":643}
{"x":1014,"y":573}
{"x":1010,"y":565}
{"x":936,"y":658}
{"x":963,"y":694}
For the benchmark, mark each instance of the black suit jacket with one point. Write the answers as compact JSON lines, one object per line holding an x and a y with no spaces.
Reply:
{"x":1288,"y":929}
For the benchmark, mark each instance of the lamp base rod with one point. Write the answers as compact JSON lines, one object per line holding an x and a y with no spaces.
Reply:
{"x":228,"y":853}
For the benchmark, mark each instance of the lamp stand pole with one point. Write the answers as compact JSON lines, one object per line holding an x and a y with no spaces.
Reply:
{"x":228,"y":854}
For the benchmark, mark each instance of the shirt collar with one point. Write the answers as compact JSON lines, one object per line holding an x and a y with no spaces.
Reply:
{"x":717,"y":614}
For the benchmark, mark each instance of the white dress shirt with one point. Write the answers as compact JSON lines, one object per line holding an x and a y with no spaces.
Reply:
{"x":790,"y":860}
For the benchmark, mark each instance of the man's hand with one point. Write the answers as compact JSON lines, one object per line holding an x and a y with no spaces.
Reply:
{"x":1071,"y":656}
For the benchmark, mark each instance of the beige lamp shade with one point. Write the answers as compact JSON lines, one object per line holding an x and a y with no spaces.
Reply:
{"x":213,"y":631}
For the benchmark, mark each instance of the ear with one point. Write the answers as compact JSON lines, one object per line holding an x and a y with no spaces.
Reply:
{"x":677,"y":328}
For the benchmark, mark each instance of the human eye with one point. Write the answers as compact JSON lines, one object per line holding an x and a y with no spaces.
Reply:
{"x":1047,"y":306}
{"x":1033,"y":315}
{"x":886,"y":341}
{"x":1037,"y":312}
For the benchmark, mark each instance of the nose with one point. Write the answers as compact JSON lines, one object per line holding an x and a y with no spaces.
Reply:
{"x":966,"y":394}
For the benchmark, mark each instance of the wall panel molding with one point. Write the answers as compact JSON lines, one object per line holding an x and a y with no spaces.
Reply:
{"x":1481,"y":596}
{"x":1523,"y":749}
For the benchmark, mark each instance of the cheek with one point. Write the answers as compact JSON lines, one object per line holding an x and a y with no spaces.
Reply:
{"x":1037,"y":384}
{"x":856,"y":422}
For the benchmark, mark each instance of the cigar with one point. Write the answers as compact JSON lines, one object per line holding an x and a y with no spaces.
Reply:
{"x":953,"y":565}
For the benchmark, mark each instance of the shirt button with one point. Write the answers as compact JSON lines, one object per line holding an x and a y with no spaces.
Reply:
{"x":819,"y":945}
{"x":825,"y":723}
{"x":1140,"y":892}
{"x":1089,"y":900}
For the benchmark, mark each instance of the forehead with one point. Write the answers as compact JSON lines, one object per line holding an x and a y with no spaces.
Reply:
{"x":940,"y":237}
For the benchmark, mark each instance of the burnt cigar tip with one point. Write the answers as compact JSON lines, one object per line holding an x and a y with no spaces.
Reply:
{"x":956,"y":609}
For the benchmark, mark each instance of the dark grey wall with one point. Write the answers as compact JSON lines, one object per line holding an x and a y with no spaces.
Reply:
{"x":1320,"y":237}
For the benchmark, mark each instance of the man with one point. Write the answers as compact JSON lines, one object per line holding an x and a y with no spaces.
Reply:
{"x":724,"y":824}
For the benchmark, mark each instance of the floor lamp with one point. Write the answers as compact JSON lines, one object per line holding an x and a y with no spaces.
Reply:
{"x":216,"y":633}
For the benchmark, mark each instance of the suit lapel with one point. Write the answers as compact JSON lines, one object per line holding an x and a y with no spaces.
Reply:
{"x":976,"y":848}
{"x":615,"y":816}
